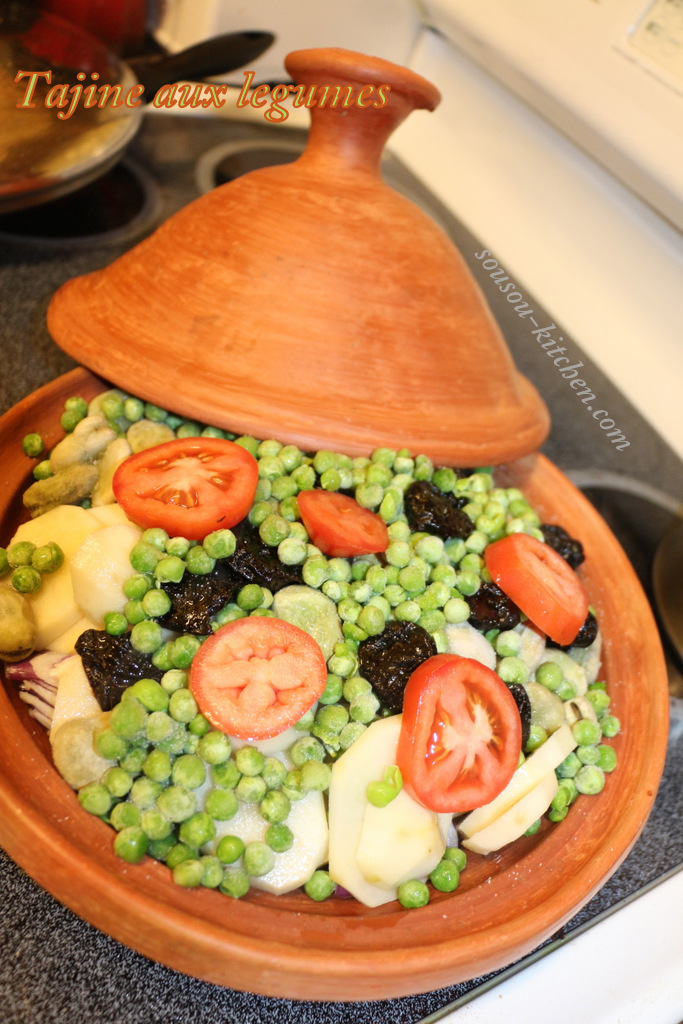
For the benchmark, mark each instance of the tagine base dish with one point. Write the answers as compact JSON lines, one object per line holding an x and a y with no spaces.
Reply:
{"x":289,"y":946}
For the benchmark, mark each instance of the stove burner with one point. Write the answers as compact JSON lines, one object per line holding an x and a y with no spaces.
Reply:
{"x":117,"y":207}
{"x":222,"y":164}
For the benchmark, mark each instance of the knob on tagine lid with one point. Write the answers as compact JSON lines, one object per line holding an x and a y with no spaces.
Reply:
{"x":310,"y":301}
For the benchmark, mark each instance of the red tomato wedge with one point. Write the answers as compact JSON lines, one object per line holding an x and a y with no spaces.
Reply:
{"x":339,"y":526}
{"x":540,"y":583}
{"x":257,"y":676}
{"x":190,"y":486}
{"x":461,"y":734}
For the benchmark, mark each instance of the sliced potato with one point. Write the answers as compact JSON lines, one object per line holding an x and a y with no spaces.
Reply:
{"x":100,"y":568}
{"x":65,"y":643}
{"x":467,"y":642}
{"x":293,"y":868}
{"x":54,"y":608}
{"x":75,"y":698}
{"x":514,"y":822}
{"x":73,"y":752}
{"x":527,"y":776}
{"x":362,"y":763}
{"x":398,"y":842}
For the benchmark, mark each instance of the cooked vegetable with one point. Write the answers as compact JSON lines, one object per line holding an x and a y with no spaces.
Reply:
{"x":70,"y":486}
{"x":100,"y":568}
{"x":37,"y":684}
{"x":339,"y":526}
{"x":373,"y":850}
{"x":461,"y":734}
{"x":111,"y":459}
{"x":189,"y":487}
{"x":541,"y":583}
{"x":525,"y":778}
{"x":18,"y":634}
{"x":256,"y":676}
{"x":514,"y":822}
{"x":85,"y":444}
{"x":311,"y":611}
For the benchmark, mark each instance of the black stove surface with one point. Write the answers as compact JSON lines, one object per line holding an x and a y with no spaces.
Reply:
{"x":56,"y":967}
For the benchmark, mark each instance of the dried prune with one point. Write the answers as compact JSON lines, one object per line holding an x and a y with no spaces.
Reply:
{"x":196,"y":599}
{"x":256,"y":562}
{"x":559,"y":540}
{"x":490,"y":608}
{"x":430,"y":510}
{"x":584,"y":638}
{"x":111,"y":664}
{"x":389,"y":659}
{"x":524,"y":707}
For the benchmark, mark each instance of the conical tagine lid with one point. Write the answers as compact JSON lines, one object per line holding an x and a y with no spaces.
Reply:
{"x":311,"y":302}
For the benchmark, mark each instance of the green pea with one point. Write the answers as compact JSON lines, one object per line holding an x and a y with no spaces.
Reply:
{"x":183,"y":651}
{"x":586,"y":732}
{"x":144,"y":557}
{"x":177,"y":803}
{"x":251,"y":789}
{"x":130,"y":844}
{"x":222,"y":804}
{"x":457,"y":856}
{"x":47,"y":558}
{"x":607,"y":757}
{"x":275,"y":807}
{"x":589,"y":779}
{"x":250,"y":597}
{"x":174,"y":679}
{"x":33,"y":445}
{"x":610,"y":725}
{"x":124,"y":815}
{"x":226,"y":774}
{"x":319,"y":886}
{"x":128,"y":719}
{"x":188,"y":771}
{"x":178,"y":853}
{"x":197,"y":830}
{"x":229,"y":849}
{"x":146,"y":636}
{"x":144,"y":792}
{"x":26,"y":580}
{"x":315,"y":776}
{"x":214,"y":747}
{"x":512,"y":669}
{"x":258,"y":859}
{"x":212,"y":873}
{"x":188,"y":873}
{"x":445,"y":877}
{"x":157,"y":766}
{"x":20,"y":554}
{"x":249,"y":761}
{"x":43,"y":470}
{"x":332,"y":691}
{"x":235,"y":883}
{"x":199,"y":562}
{"x":154,"y":824}
{"x":413,"y":894}
{"x":279,"y":837}
{"x":95,"y":798}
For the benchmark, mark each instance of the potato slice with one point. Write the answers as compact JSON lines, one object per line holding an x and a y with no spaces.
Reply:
{"x":527,"y":776}
{"x":514,"y":822}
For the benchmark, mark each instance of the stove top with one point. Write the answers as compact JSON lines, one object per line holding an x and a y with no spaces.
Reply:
{"x":598,"y":439}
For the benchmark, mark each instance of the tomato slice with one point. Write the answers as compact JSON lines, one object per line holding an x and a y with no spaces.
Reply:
{"x":339,"y":526}
{"x":255,"y":677}
{"x":540,"y":583}
{"x":190,"y":486}
{"x":461,"y":734}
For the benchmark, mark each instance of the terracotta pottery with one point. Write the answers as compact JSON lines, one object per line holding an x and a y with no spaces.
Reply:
{"x":312,"y":301}
{"x":289,"y":946}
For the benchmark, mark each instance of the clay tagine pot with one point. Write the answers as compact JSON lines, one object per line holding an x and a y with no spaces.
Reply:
{"x":311,"y":302}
